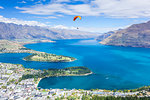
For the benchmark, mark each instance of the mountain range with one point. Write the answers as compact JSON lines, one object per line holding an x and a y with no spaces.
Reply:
{"x":137,"y":35}
{"x":14,"y":31}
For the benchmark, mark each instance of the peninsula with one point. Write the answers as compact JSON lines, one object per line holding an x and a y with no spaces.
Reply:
{"x":69,"y":71}
{"x":7,"y":46}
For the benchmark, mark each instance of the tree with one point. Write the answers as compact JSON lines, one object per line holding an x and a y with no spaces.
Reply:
{"x":3,"y":87}
{"x":114,"y":90}
{"x":48,"y":97}
{"x":85,"y":97}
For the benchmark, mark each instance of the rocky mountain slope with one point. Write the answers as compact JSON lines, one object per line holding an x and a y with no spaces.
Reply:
{"x":137,"y":35}
{"x":104,"y":36}
{"x":14,"y":31}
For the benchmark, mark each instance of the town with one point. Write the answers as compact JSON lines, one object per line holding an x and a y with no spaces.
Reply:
{"x":14,"y":88}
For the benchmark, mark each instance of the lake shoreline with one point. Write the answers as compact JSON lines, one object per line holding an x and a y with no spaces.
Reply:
{"x":62,"y":76}
{"x":100,"y":59}
{"x":33,"y":41}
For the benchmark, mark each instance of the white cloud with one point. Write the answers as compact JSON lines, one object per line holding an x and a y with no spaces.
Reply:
{"x":22,"y":2}
{"x":84,"y":1}
{"x":60,"y":15}
{"x":51,"y":9}
{"x":49,"y":17}
{"x":21,"y":22}
{"x":66,"y":1}
{"x":60,"y":1}
{"x":39,"y":1}
{"x":17,"y":7}
{"x":1,"y":7}
{"x":45,"y":10}
{"x":123,"y":8}
{"x":109,"y":8}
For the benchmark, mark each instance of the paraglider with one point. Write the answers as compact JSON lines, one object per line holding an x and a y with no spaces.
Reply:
{"x":74,"y":19}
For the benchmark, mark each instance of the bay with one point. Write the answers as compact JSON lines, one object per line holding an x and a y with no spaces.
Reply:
{"x":113,"y":67}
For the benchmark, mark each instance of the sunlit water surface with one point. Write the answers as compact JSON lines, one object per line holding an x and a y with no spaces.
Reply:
{"x":113,"y":67}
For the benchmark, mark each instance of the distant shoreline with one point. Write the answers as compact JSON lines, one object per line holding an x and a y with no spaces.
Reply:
{"x":38,"y":41}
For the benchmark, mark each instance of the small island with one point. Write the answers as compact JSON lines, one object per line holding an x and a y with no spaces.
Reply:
{"x":69,"y":71}
{"x":45,"y":57}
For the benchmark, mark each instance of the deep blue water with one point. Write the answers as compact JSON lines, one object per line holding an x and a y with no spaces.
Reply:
{"x":113,"y":67}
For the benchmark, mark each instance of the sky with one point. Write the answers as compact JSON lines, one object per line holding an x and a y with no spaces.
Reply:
{"x":97,"y":15}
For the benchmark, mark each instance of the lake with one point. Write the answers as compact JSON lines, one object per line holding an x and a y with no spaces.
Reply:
{"x":113,"y":67}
